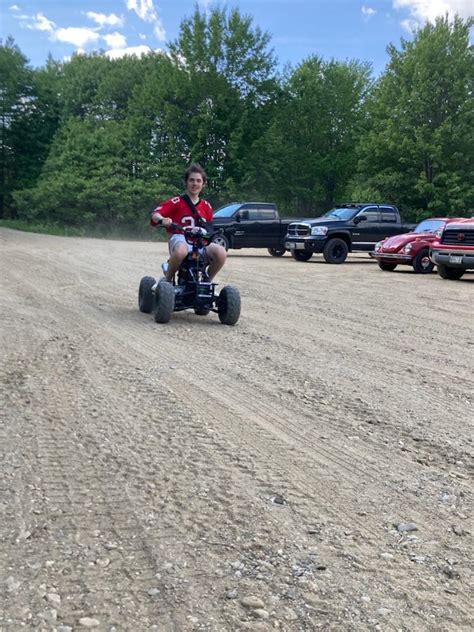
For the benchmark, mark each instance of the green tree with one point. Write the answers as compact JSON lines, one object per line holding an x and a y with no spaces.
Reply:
{"x":308,"y":154}
{"x":417,"y":151}
{"x":228,"y":76}
{"x":15,"y":95}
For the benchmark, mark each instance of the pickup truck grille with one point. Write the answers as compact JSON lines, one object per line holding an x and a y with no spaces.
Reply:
{"x":458,"y":237}
{"x":299,"y":230}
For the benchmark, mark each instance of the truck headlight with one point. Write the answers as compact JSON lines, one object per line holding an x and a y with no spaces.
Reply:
{"x":319,"y":230}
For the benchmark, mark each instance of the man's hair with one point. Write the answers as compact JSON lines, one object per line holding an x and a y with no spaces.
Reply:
{"x":195,"y":168}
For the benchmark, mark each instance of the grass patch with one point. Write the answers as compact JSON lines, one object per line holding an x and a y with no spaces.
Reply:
{"x":129,"y":233}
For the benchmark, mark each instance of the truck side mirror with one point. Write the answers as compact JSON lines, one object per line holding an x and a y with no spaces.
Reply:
{"x":360,"y":218}
{"x":242,"y":216}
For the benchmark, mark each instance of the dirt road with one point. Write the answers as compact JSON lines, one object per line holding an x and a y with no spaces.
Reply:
{"x":194,"y":476}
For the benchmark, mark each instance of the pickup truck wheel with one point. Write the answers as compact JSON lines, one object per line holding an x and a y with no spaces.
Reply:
{"x":221,"y":240}
{"x":276,"y":252}
{"x":145,"y":294}
{"x":422,"y":263}
{"x":335,"y":251}
{"x":301,"y":255}
{"x":453,"y":274}
{"x":387,"y":267}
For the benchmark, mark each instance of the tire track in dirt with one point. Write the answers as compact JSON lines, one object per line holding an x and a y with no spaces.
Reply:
{"x":255,"y":456}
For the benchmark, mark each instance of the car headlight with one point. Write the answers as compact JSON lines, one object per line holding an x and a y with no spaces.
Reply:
{"x":407,"y":248}
{"x":319,"y":230}
{"x":378,"y":246}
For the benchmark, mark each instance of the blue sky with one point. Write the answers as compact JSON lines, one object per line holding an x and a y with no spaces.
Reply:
{"x":340,"y":29}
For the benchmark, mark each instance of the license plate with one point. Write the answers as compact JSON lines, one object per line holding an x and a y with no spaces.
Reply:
{"x":455,"y":259}
{"x":298,"y":245}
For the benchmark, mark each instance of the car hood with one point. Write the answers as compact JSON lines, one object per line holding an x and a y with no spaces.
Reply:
{"x":324,"y":221}
{"x":397,"y":242}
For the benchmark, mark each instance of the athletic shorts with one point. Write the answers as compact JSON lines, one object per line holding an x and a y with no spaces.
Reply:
{"x":178,"y":238}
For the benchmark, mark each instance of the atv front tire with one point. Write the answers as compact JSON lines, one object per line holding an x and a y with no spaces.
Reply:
{"x":145,"y":294}
{"x":228,"y":305}
{"x":164,"y":302}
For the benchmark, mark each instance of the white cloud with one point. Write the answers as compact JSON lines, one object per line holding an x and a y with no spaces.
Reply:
{"x":43,"y":24}
{"x":205,"y":4}
{"x":422,"y":11}
{"x":38,"y":23}
{"x":137,"y":51}
{"x":143,"y":8}
{"x":368,"y":12}
{"x":159,"y":31}
{"x":142,"y":36}
{"x":410,"y":25}
{"x":115,"y":40}
{"x":14,"y":7}
{"x":79,"y":37}
{"x":105,"y":20}
{"x":147,"y":12}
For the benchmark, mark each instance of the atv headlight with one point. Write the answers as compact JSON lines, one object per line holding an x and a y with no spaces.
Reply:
{"x":319,"y":230}
{"x":407,"y":248}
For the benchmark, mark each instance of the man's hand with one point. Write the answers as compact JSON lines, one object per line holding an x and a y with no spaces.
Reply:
{"x":157,"y":218}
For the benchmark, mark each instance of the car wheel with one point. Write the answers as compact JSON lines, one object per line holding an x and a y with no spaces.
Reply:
{"x":387,"y":267}
{"x":453,"y":274}
{"x":164,"y":302}
{"x":276,"y":252}
{"x":335,"y":250}
{"x":228,"y":305}
{"x":422,"y":263}
{"x":221,"y":240}
{"x":301,"y":255}
{"x":145,"y":294}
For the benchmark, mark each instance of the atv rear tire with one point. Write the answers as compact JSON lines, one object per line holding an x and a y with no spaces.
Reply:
{"x":228,"y":305}
{"x":164,"y":302}
{"x":145,"y":294}
{"x":202,"y":311}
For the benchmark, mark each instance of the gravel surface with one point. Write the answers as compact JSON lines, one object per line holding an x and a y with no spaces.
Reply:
{"x":309,"y":468}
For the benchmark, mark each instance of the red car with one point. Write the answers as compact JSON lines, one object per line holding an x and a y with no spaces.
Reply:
{"x":453,"y":249}
{"x":410,"y":248}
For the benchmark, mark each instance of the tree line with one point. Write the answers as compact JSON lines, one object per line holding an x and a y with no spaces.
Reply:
{"x":98,"y":142}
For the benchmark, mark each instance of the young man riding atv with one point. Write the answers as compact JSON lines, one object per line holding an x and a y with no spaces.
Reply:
{"x":188,"y":210}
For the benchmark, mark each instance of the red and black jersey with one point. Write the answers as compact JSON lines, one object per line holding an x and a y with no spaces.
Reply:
{"x":178,"y":210}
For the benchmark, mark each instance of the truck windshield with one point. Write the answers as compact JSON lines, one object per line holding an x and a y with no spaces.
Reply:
{"x":429,"y":226}
{"x":226,"y":211}
{"x":342,"y":213}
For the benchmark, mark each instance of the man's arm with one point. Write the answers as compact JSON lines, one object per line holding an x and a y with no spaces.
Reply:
{"x":157,"y":218}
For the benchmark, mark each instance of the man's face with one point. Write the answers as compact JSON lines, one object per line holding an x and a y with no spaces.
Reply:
{"x":195,"y":184}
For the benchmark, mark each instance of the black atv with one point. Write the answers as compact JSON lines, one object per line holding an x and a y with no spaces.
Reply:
{"x":192,"y":288}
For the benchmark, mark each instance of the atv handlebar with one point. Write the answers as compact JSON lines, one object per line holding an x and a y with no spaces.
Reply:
{"x":192,"y":234}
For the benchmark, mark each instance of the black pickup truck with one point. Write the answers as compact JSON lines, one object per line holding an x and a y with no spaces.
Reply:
{"x":343,"y":229}
{"x":251,"y":225}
